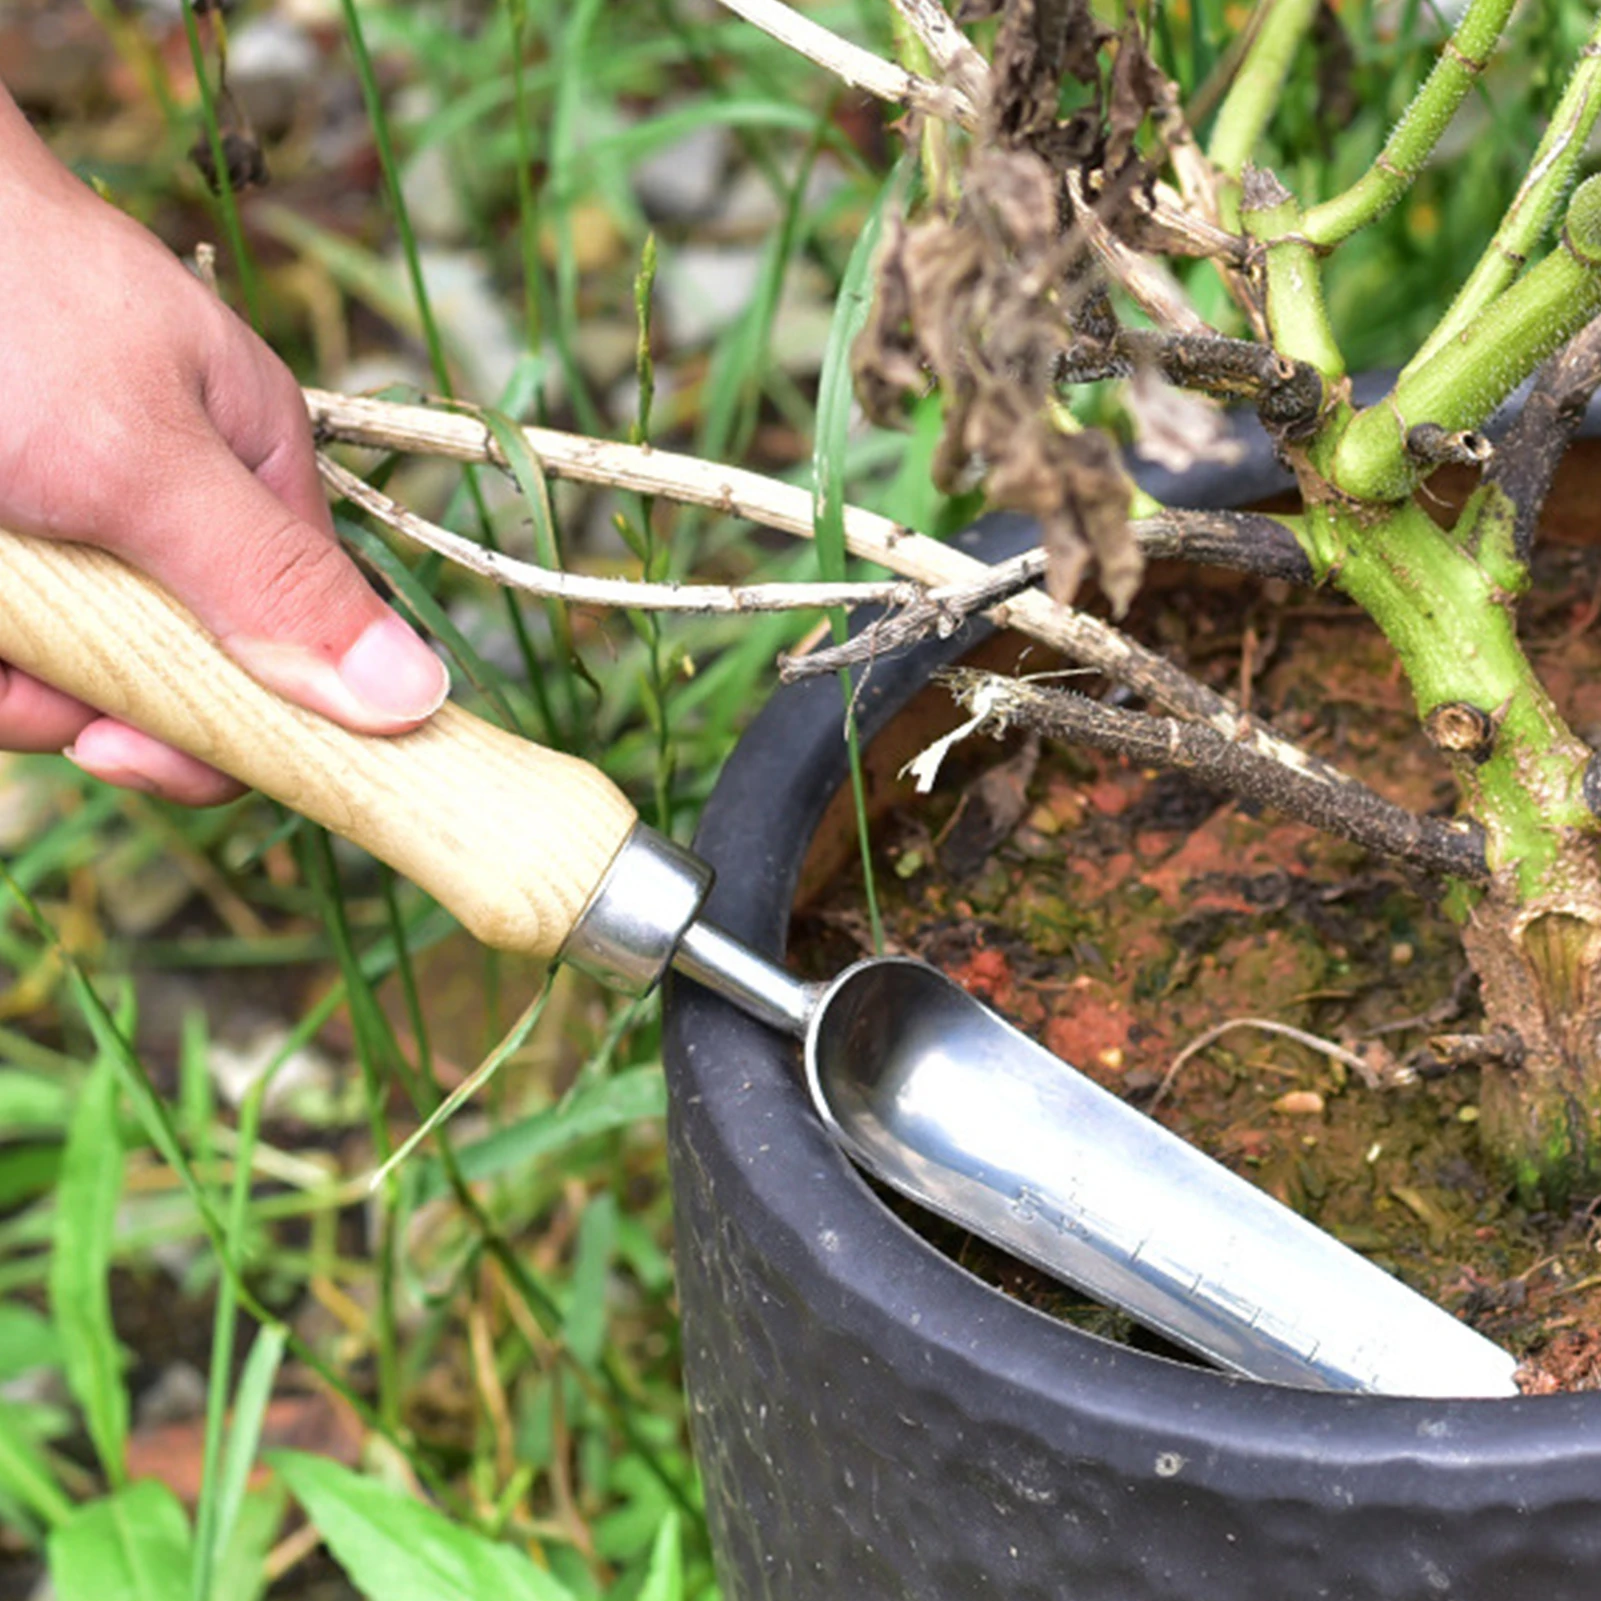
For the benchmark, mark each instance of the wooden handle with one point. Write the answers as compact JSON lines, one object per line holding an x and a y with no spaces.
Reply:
{"x":510,"y":837}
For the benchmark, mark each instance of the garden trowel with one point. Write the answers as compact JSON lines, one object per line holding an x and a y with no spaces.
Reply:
{"x":923,"y":1085}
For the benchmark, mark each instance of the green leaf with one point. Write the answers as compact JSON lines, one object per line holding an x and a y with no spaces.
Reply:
{"x":80,"y":1267}
{"x":26,"y":1341}
{"x":431,"y":615}
{"x":396,"y":1549}
{"x":834,"y":390}
{"x":132,"y":1546}
{"x":241,"y":1575}
{"x":250,"y":1408}
{"x":25,"y":1474}
{"x":31,"y":1103}
{"x":664,"y":1581}
{"x":587,"y":1311}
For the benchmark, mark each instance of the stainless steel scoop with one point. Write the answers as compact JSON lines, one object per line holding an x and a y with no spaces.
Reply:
{"x":946,"y":1102}
{"x":538,"y":852}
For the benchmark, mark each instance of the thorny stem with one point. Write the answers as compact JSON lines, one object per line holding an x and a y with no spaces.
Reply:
{"x":1550,"y":175}
{"x":1278,"y":27}
{"x":1462,"y":58}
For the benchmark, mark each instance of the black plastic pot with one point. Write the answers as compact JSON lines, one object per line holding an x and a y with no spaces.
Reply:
{"x":873,"y":1424}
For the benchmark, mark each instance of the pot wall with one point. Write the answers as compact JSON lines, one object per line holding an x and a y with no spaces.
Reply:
{"x":873,"y":1423}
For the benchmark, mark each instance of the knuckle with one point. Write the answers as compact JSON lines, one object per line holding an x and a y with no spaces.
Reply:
{"x":294,"y":578}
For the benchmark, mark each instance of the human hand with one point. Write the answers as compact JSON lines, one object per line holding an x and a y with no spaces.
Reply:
{"x":139,"y":414}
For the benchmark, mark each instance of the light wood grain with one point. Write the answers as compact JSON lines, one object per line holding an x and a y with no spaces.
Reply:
{"x":510,"y":837}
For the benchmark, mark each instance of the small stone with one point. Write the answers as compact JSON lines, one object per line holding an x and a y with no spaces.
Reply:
{"x":684,"y":180}
{"x":1300,"y":1103}
{"x":1402,"y":953}
{"x":271,"y":61}
{"x":1111,"y":1058}
{"x":701,"y":289}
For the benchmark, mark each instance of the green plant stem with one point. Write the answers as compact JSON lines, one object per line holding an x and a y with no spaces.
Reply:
{"x":227,"y":201}
{"x":1397,"y":165}
{"x":1278,"y":27}
{"x":1296,"y":311}
{"x":1463,"y":382}
{"x":1449,"y":612}
{"x":1550,"y":175}
{"x":650,"y":555}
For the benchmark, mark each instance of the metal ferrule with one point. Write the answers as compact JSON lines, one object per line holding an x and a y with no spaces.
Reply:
{"x":628,"y":932}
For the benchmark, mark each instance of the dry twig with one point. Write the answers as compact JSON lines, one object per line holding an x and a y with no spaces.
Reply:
{"x":1350,"y":810}
{"x":613,"y":594}
{"x":852,"y":65}
{"x":387,"y":425}
{"x":1360,"y":1065}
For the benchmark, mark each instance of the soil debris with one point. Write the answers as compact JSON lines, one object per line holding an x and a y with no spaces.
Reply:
{"x":1124,"y":916}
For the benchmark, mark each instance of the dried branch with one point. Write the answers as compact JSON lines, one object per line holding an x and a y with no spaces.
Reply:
{"x":1350,"y":811}
{"x":936,"y":611}
{"x":1288,"y":395}
{"x":1526,"y":460}
{"x":386,"y":425}
{"x":1245,"y":542}
{"x":612,"y":593}
{"x":1240,"y":541}
{"x":851,"y":64}
{"x":948,"y":47}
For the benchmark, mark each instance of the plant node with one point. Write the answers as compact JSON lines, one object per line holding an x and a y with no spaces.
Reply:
{"x":1430,"y":445}
{"x":1459,"y":729}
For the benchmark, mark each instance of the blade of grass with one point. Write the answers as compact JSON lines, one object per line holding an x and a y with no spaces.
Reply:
{"x":574,"y":88}
{"x":834,"y":398}
{"x":379,"y":1054}
{"x":585,"y":1324}
{"x":529,"y":473}
{"x":430,"y":615}
{"x":468,"y":1087}
{"x":212,"y":1516}
{"x":80,"y":1268}
{"x":244,"y":1438}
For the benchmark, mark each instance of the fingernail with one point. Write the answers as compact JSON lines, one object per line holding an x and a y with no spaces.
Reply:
{"x":392,"y":671}
{"x":118,"y":773}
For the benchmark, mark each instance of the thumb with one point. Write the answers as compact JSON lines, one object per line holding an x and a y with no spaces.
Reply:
{"x":282,"y":597}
